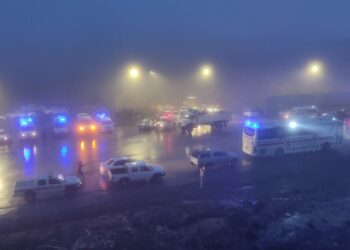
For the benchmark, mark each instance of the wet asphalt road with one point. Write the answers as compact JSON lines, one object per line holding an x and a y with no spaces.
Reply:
{"x":24,"y":160}
{"x":314,"y":176}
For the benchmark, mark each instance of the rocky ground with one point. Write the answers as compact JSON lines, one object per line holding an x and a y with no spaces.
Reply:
{"x":201,"y":219}
{"x":290,"y":208}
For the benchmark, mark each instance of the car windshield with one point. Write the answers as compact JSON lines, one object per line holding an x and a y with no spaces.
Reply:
{"x":61,"y":178}
{"x":195,"y":153}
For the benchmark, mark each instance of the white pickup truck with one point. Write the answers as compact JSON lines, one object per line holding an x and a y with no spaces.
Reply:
{"x":192,"y":118}
{"x":46,"y":186}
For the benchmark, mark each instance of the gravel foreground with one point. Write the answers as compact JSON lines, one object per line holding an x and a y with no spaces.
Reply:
{"x":224,"y":217}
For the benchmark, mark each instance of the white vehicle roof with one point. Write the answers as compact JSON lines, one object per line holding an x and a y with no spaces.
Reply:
{"x":130,"y":164}
{"x":308,"y":108}
{"x":277,"y":124}
{"x":119,"y":158}
{"x":106,"y":119}
{"x":83,"y":115}
{"x":136,"y":163}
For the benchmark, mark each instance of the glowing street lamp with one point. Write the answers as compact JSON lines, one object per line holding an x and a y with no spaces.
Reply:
{"x":206,"y":71}
{"x":315,"y":69}
{"x":134,"y":72}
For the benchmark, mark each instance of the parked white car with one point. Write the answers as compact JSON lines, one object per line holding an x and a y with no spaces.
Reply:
{"x":135,"y":171}
{"x":210,"y":158}
{"x":46,"y":186}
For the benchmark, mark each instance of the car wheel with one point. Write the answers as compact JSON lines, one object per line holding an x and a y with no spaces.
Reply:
{"x":233,"y":162}
{"x":70,"y":191}
{"x":326,"y":147}
{"x":279,"y":152}
{"x":156,"y":178}
{"x":124,"y":182}
{"x":30,"y":197}
{"x":209,"y":166}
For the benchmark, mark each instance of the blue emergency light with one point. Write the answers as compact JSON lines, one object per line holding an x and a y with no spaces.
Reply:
{"x":61,"y":119}
{"x":101,"y":115}
{"x":251,"y":124}
{"x":24,"y":122}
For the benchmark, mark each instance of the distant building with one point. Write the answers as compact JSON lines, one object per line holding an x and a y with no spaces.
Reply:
{"x":274,"y":104}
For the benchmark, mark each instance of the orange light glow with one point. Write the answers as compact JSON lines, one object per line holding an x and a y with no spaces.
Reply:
{"x":93,"y":127}
{"x":81,"y":128}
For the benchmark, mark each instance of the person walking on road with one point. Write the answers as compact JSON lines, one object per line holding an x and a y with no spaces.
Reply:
{"x":80,"y":170}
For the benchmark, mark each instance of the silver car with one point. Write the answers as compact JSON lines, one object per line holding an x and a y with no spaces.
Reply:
{"x":211,"y":158}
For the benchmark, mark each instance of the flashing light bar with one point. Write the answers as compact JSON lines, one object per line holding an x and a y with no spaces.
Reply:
{"x":61,"y":119}
{"x":23,"y":122}
{"x":101,"y":115}
{"x":251,"y":124}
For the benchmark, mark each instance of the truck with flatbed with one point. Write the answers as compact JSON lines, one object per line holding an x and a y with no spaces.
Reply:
{"x":193,"y":118}
{"x":46,"y":186}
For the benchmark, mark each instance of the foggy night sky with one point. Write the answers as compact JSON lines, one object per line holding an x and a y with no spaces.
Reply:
{"x":51,"y":50}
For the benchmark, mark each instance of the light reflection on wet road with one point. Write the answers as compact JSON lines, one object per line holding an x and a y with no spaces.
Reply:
{"x":60,"y":155}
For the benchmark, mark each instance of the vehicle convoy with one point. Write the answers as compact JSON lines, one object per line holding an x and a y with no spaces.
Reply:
{"x":4,"y":137}
{"x":135,"y":171}
{"x":164,"y":125}
{"x":277,"y":138}
{"x":211,"y":158}
{"x":146,"y":125}
{"x":85,"y":125}
{"x":27,"y":128}
{"x":114,"y":162}
{"x":193,"y":118}
{"x":46,"y":186}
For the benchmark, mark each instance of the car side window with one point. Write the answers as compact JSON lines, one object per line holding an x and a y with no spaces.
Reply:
{"x":41,"y":182}
{"x":205,"y":155}
{"x":220,"y":154}
{"x":144,"y":169}
{"x":121,"y":162}
{"x":134,"y":169}
{"x":119,"y":170}
{"x":54,"y":181}
{"x":217,"y":154}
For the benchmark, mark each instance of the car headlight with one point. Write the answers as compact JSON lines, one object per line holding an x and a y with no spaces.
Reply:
{"x":5,"y":138}
{"x":23,"y":134}
{"x":34,"y":134}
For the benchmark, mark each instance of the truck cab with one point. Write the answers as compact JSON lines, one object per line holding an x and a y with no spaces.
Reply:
{"x":27,"y":128}
{"x":60,"y":125}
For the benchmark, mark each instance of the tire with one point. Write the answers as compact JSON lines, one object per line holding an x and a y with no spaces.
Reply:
{"x":30,"y":197}
{"x":124,"y":182}
{"x":156,"y":178}
{"x":209,"y":166}
{"x":279,"y":152}
{"x":233,"y":162}
{"x":326,"y":147}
